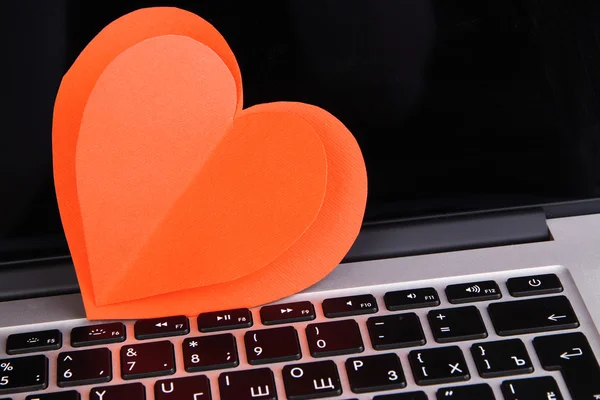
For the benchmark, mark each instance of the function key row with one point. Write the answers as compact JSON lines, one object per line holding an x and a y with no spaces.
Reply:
{"x":386,"y":332}
{"x":289,"y":313}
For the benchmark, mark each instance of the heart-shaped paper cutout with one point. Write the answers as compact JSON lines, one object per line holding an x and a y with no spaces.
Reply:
{"x":151,"y":266}
{"x":232,"y":178}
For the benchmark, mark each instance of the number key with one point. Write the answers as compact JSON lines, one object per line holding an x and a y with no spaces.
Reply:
{"x":272,"y":345}
{"x":84,"y":367}
{"x":373,"y":373}
{"x":23,"y":374}
{"x":334,"y":338}
{"x":210,"y":352}
{"x":146,"y":360}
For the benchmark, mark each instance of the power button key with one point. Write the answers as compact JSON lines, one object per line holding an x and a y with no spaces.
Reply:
{"x":534,"y":285}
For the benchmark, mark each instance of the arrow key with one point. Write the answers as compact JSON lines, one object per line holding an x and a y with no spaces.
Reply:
{"x":534,"y":315}
{"x":288,"y":312}
{"x":571,"y":354}
{"x":161,"y":327}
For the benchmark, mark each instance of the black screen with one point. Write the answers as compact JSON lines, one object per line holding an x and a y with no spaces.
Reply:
{"x":457,"y":105}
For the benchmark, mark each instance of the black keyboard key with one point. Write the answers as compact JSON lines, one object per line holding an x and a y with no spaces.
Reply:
{"x":210,"y":352}
{"x":131,"y":391}
{"x":407,"y":299}
{"x":572,"y":355}
{"x":402,"y":396}
{"x":147,"y":359}
{"x":474,"y":291}
{"x":23,"y":374}
{"x":288,"y":312}
{"x":84,"y":367}
{"x":32,"y":342}
{"x":248,"y":385}
{"x":455,"y":324}
{"x":501,"y":358}
{"x":312,"y":380}
{"x":534,"y":285}
{"x":272,"y":345}
{"x":189,"y":388}
{"x":482,"y":391}
{"x":439,"y":365}
{"x":68,"y":395}
{"x":544,"y":388}
{"x":374,"y":373}
{"x":534,"y":315}
{"x":161,"y":327}
{"x":334,"y":338}
{"x":225,"y":320}
{"x":350,"y":305}
{"x":113,"y":332}
{"x":396,"y":331}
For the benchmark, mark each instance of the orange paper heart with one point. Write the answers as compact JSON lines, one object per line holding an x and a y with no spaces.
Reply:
{"x":174,"y":200}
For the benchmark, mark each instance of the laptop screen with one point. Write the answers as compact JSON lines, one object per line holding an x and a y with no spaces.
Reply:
{"x":458,"y":105}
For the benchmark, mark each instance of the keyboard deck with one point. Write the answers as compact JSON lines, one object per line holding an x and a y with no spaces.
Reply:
{"x":516,"y":335}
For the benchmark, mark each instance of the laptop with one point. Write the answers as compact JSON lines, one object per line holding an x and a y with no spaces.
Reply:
{"x":476,"y":272}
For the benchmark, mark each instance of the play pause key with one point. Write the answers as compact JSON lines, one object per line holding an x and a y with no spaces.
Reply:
{"x":224,"y":320}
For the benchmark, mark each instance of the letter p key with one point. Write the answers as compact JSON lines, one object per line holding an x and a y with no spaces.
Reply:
{"x":357,"y":364}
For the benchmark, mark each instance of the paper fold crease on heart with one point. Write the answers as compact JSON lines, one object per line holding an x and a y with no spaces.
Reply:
{"x":176,"y":200}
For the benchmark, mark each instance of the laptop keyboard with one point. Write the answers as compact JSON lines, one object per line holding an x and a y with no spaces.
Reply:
{"x":502,"y":337}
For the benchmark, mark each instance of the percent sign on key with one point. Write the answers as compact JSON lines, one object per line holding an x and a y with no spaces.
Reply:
{"x":6,"y":367}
